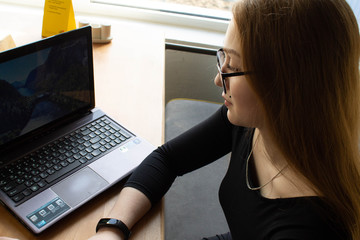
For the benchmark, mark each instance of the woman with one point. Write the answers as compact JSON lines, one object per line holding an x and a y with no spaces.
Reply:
{"x":290,"y":77}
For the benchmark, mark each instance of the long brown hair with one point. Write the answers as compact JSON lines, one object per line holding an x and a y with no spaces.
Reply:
{"x":304,"y":59}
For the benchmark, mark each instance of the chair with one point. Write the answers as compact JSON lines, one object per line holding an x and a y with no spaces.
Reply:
{"x":192,"y":208}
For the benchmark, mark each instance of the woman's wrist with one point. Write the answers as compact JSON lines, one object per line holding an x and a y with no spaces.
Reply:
{"x":116,"y":224}
{"x":110,"y":233}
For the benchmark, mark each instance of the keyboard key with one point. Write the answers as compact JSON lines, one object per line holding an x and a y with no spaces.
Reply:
{"x":49,"y":165}
{"x":19,"y":180}
{"x":42,"y":184}
{"x":57,"y":167}
{"x":9,"y":186}
{"x":36,"y":179}
{"x":3,"y":182}
{"x":125,"y":134}
{"x":96,"y":145}
{"x":86,"y":132}
{"x":18,"y":197}
{"x":96,"y":152}
{"x":92,"y":135}
{"x":95,"y":139}
{"x":70,"y":160}
{"x":27,"y":192}
{"x":89,"y":149}
{"x":42,"y":168}
{"x":34,"y":188}
{"x":63,"y":171}
{"x":115,"y":127}
{"x":29,"y":183}
{"x":43,"y":175}
{"x":64,"y":163}
{"x":16,"y":190}
{"x":83,"y":153}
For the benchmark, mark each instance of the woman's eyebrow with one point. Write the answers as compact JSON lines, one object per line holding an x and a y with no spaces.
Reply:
{"x":232,"y":51}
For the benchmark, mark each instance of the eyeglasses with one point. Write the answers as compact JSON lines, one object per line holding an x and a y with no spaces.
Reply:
{"x":221,"y":59}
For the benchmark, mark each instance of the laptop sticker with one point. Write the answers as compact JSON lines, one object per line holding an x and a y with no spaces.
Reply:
{"x":48,"y":212}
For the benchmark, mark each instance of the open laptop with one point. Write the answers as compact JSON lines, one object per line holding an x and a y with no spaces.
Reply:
{"x":57,"y":151}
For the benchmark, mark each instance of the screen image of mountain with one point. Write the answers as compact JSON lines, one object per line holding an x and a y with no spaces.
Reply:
{"x":41,"y":87}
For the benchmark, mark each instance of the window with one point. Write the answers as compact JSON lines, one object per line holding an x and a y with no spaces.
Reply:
{"x":211,"y":15}
{"x":355,"y":5}
{"x":213,"y":9}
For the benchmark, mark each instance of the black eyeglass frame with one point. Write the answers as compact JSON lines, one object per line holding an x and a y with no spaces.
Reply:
{"x":226,"y":75}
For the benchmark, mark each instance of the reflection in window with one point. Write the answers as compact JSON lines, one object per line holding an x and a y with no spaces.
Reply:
{"x":208,"y":4}
{"x":212,"y":9}
{"x":215,"y":9}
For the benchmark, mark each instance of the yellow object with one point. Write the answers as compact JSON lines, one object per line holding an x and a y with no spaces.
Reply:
{"x":58,"y":17}
{"x":6,"y":43}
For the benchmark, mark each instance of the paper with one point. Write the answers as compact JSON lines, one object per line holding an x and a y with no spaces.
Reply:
{"x":58,"y":17}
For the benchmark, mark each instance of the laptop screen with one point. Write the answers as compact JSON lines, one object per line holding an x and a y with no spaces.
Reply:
{"x":44,"y":82}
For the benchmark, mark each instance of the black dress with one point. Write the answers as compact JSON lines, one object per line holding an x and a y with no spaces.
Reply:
{"x":249,"y":215}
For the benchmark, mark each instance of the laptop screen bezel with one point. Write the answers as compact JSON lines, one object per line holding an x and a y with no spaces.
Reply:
{"x":40,"y":45}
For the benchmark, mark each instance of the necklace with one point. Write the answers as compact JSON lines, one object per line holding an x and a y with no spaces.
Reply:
{"x":247,"y":172}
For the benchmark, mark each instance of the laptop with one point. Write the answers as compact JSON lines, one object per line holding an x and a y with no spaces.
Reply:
{"x":57,"y":151}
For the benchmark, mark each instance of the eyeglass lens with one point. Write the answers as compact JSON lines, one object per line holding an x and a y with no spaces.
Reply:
{"x":220,"y":57}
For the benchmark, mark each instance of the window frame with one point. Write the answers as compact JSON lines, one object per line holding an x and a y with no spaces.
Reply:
{"x":110,"y":8}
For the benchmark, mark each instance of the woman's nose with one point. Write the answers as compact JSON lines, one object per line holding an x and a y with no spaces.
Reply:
{"x":217,"y":80}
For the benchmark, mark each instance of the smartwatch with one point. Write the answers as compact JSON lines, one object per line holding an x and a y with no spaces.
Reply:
{"x":114,"y":223}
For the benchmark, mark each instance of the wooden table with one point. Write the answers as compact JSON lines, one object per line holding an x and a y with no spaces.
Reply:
{"x":129,"y":85}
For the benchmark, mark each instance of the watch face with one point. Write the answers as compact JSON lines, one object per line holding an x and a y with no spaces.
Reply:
{"x":111,"y":221}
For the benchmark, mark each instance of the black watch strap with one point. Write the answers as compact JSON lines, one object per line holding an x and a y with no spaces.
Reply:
{"x":114,"y":223}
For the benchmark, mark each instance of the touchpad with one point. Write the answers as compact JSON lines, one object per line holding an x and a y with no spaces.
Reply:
{"x":79,"y":186}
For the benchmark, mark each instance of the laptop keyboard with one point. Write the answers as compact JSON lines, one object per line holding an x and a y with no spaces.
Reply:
{"x":44,"y":167}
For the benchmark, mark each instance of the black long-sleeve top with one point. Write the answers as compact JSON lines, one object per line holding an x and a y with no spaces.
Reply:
{"x":249,"y":215}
